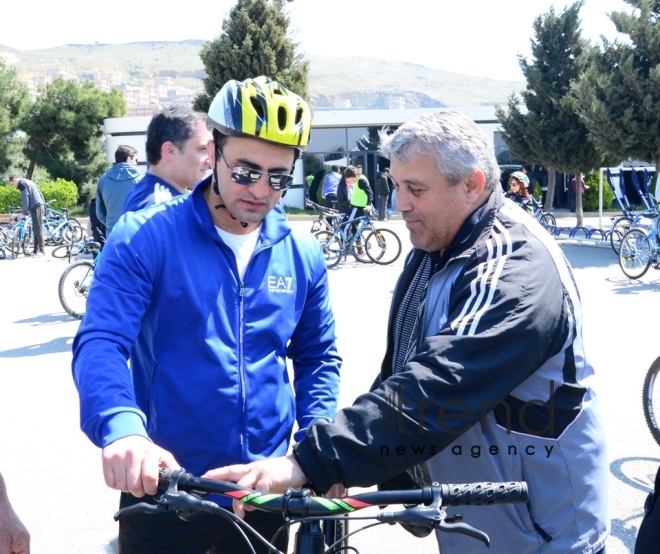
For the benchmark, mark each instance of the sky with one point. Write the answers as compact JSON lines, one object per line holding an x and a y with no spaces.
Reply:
{"x":473,"y":37}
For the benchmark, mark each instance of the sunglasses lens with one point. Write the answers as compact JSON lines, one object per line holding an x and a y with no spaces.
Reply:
{"x":280,"y":182}
{"x":243,"y":176}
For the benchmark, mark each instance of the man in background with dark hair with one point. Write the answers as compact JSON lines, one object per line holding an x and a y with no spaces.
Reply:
{"x":176,"y":152}
{"x":33,"y":203}
{"x":114,"y":186}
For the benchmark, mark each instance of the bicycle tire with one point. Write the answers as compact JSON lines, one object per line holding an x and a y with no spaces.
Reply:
{"x":335,"y":531}
{"x":635,"y":253}
{"x":73,"y":287}
{"x":651,"y":399}
{"x":548,"y":222}
{"x":72,"y":233}
{"x":66,"y":251}
{"x":383,"y":246}
{"x":333,"y":250}
{"x":359,"y":250}
{"x":619,"y":227}
{"x":16,"y":244}
{"x":28,"y":242}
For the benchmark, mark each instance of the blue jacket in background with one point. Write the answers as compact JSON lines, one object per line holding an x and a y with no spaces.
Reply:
{"x":149,"y":191}
{"x":208,"y":378}
{"x":111,"y":192}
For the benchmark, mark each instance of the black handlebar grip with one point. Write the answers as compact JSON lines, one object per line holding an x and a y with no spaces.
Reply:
{"x":484,"y":493}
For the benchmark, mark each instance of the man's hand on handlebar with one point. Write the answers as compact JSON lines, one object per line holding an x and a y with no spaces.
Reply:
{"x":131,"y":465}
{"x":272,"y":475}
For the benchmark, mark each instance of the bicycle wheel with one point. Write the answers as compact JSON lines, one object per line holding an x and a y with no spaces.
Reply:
{"x":651,"y":399}
{"x":66,"y":250}
{"x":27,"y":244}
{"x":16,"y":244}
{"x":635,"y":254}
{"x":74,"y":286}
{"x":619,"y":227}
{"x":332,"y":247}
{"x":72,"y":233}
{"x":383,"y":246}
{"x":334,"y":531}
{"x":548,"y":222}
{"x":359,"y":250}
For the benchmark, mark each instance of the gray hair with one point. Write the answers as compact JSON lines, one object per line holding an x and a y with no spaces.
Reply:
{"x":456,"y":142}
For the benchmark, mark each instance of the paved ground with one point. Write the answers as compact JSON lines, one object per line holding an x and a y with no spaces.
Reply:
{"x":54,"y":473}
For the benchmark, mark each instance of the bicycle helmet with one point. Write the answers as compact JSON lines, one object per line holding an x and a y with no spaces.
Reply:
{"x":521,"y":177}
{"x":261,"y":108}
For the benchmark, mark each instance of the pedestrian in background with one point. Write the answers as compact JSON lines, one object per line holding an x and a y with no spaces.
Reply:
{"x":113,"y":187}
{"x":176,"y":152}
{"x":32,"y":203}
{"x":382,"y":193}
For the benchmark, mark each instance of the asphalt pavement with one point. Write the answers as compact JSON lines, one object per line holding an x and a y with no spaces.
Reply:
{"x":53,"y":472}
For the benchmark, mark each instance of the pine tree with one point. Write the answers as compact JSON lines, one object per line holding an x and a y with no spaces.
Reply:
{"x":620,"y":91}
{"x":253,"y":43}
{"x":13,"y":103}
{"x":64,"y":129}
{"x":551,"y":132}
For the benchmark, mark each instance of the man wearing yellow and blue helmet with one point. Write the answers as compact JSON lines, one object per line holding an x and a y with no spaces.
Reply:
{"x":209,"y":294}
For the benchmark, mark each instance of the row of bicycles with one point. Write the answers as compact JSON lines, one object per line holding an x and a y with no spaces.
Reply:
{"x":17,"y":234}
{"x":358,"y":237}
{"x":635,"y":238}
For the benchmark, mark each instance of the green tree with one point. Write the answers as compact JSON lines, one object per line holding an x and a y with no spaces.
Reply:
{"x":620,"y":91}
{"x":64,"y":129}
{"x":551,"y":131}
{"x":253,"y":43}
{"x":14,"y":100}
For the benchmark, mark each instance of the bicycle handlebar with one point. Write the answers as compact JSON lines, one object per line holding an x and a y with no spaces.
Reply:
{"x":423,"y":507}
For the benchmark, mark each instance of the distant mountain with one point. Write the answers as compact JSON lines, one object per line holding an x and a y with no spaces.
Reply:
{"x":334,"y":83}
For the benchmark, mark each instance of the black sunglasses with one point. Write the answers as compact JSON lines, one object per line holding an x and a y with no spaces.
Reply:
{"x":248,"y":176}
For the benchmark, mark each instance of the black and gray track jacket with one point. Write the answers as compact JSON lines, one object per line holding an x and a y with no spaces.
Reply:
{"x":499,"y":390}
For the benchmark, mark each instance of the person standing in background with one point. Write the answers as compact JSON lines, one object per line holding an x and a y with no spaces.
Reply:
{"x":113,"y":187}
{"x":33,"y":203}
{"x":382,"y":194}
{"x":176,"y":151}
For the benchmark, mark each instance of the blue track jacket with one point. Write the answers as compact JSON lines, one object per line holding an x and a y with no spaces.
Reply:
{"x":208,"y":379}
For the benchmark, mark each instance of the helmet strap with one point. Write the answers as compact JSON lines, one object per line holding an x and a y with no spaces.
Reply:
{"x":216,"y":189}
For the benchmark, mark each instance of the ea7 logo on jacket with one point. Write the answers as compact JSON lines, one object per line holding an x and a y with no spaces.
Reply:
{"x":280,"y":284}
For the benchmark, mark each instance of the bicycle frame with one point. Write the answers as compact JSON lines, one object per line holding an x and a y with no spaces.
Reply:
{"x":423,"y":508}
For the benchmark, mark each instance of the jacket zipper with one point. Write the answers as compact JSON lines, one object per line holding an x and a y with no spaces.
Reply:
{"x":241,"y":365}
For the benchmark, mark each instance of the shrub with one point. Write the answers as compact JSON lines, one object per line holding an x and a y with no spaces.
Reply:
{"x":591,"y":194}
{"x":9,"y":196}
{"x":64,"y":193}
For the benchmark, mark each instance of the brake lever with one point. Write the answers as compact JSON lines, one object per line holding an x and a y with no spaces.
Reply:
{"x":140,"y":508}
{"x":463,"y":529}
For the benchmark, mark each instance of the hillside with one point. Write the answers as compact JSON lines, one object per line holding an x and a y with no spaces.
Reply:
{"x":365,"y":82}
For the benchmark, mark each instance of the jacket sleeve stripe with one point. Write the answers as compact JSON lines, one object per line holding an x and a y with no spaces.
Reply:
{"x":484,"y":286}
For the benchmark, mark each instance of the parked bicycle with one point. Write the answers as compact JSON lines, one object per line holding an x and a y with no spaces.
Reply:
{"x":361,"y":239}
{"x":639,"y":250}
{"x":22,"y":237}
{"x":622,"y":224}
{"x":59,"y":228}
{"x":546,"y":219}
{"x":328,"y":219}
{"x":76,"y":281}
{"x":423,"y":512}
{"x":86,"y":245}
